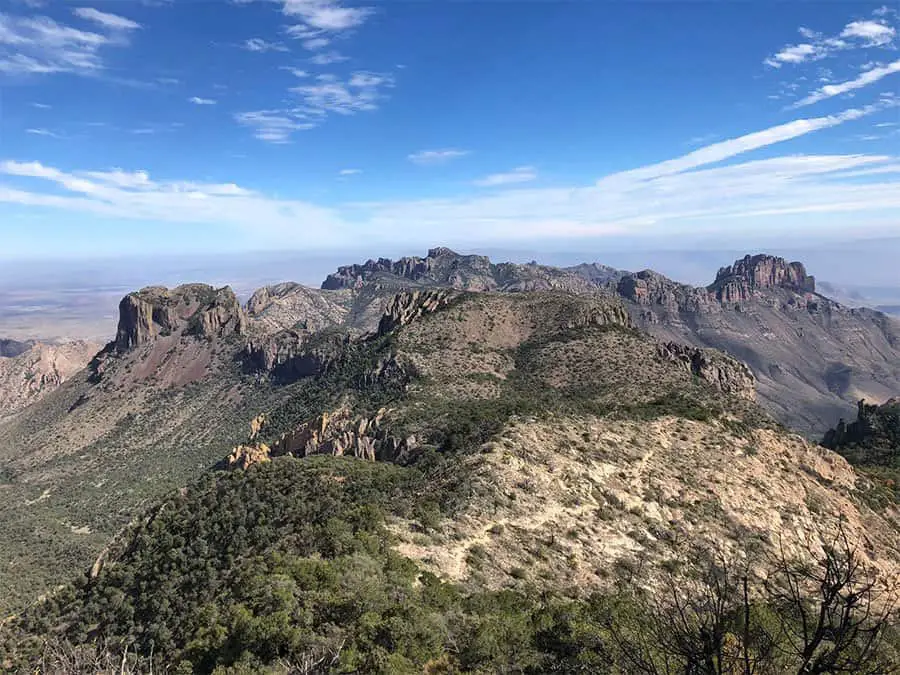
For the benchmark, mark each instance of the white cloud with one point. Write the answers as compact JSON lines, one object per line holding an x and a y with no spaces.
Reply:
{"x":260,"y":45}
{"x":41,"y":106}
{"x":673,"y":196}
{"x":521,"y":174}
{"x":316,"y":43}
{"x":326,"y":15}
{"x":40,"y":46}
{"x":427,"y":157}
{"x":136,"y":196}
{"x":360,"y":93}
{"x":349,"y":172}
{"x":723,"y":150}
{"x":855,"y":35}
{"x":41,"y":132}
{"x":110,"y":21}
{"x":327,"y":58}
{"x":863,"y":79}
{"x":873,"y":33}
{"x":274,"y":126}
{"x":792,"y":54}
{"x":196,"y":100}
{"x":296,"y":72}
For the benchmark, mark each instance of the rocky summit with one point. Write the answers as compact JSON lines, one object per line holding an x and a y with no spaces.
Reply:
{"x":196,"y":309}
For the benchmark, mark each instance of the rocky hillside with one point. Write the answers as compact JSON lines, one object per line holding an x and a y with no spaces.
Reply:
{"x":813,"y":358}
{"x":442,"y":494}
{"x":151,"y":409}
{"x":30,"y":371}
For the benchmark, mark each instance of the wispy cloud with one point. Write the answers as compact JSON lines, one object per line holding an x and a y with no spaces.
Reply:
{"x":723,"y":150}
{"x":361,"y":92}
{"x":428,"y":157}
{"x":349,"y":172}
{"x":41,"y":132}
{"x":325,"y":15}
{"x":39,"y":46}
{"x":196,"y":100}
{"x":521,"y":174}
{"x":872,"y":33}
{"x":111,"y":21}
{"x":260,"y":45}
{"x":328,"y":94}
{"x":855,"y":35}
{"x":316,"y":43}
{"x":274,"y":126}
{"x":862,"y":80}
{"x":327,"y":58}
{"x":697,"y":190}
{"x":134,"y":195}
{"x":41,"y":106}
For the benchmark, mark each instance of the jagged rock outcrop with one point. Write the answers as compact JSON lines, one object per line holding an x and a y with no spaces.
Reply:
{"x":726,"y":374}
{"x":873,"y":438}
{"x":404,"y":308}
{"x":740,"y":281}
{"x":245,"y":456}
{"x":339,"y":432}
{"x":444,"y":267}
{"x":192,"y":309}
{"x":652,"y":290}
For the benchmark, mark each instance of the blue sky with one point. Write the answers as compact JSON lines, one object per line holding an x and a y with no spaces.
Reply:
{"x":186,"y":125}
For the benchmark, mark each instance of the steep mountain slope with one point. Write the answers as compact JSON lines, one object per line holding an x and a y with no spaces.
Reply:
{"x":30,"y":371}
{"x":155,"y":407}
{"x":511,"y":443}
{"x":812,"y":356}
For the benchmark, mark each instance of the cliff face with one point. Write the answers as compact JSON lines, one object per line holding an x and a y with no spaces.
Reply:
{"x":812,"y":357}
{"x":739,"y":281}
{"x":193,"y":309}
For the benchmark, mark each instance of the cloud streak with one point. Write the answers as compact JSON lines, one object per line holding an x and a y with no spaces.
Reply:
{"x":111,"y":21}
{"x":432,"y":157}
{"x":260,"y":45}
{"x":864,"y":79}
{"x":521,"y":174}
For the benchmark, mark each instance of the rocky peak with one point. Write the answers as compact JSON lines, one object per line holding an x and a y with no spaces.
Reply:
{"x":750,"y":274}
{"x":442,"y":266}
{"x":192,"y":309}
